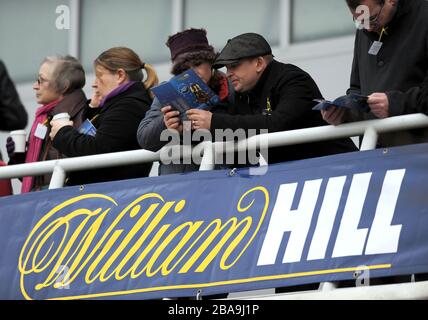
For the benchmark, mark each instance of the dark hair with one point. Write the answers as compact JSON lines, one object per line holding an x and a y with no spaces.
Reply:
{"x":193,"y":59}
{"x":353,"y":4}
{"x":68,"y":74}
{"x":215,"y":81}
{"x":268,"y":58}
{"x":124,"y":58}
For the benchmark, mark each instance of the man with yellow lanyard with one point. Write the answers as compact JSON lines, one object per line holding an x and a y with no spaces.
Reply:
{"x":390,"y":65}
{"x":270,"y":96}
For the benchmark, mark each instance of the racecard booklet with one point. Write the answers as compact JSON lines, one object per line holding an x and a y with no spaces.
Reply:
{"x":186,"y":91}
{"x":350,"y":101}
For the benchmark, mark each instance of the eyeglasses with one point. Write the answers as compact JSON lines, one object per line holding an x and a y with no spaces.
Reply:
{"x":374,"y":19}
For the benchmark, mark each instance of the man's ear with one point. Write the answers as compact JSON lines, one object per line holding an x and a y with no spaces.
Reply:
{"x":260,"y":64}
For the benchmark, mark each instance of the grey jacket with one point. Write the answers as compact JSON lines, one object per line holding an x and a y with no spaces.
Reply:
{"x":149,"y":134}
{"x":400,"y":69}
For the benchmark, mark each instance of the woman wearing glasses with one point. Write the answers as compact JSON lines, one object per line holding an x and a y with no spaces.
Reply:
{"x":114,"y":121}
{"x":58,"y":90}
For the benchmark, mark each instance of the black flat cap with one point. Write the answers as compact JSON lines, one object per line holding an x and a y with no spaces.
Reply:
{"x":246,"y":45}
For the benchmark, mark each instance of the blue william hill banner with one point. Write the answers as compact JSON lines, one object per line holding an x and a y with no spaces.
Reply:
{"x":302,"y":222}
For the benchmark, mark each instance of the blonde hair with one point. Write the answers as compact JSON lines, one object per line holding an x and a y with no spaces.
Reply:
{"x":124,"y":58}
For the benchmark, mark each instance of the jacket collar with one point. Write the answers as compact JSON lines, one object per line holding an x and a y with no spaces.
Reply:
{"x":71,"y":103}
{"x":117,"y":91}
{"x":403,"y":8}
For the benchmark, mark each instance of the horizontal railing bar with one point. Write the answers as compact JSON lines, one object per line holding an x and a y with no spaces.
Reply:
{"x":275,"y":139}
{"x":79,"y":163}
{"x":410,"y":290}
{"x":315,"y":134}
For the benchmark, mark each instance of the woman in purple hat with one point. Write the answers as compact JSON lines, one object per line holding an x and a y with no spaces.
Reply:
{"x":189,"y":50}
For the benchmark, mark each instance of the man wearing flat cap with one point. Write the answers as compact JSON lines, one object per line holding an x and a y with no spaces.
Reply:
{"x":269,"y":95}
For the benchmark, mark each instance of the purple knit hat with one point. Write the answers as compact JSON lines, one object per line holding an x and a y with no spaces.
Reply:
{"x":189,"y":47}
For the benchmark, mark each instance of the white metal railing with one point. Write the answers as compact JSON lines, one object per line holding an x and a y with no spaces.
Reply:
{"x":407,"y":291}
{"x":369,"y":129}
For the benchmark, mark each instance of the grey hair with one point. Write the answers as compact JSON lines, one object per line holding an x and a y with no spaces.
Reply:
{"x":68,"y":74}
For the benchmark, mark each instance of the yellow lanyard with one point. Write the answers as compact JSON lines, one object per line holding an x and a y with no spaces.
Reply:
{"x":382,"y":33}
{"x":94,"y":117}
{"x":47,"y":121}
{"x":268,"y":106}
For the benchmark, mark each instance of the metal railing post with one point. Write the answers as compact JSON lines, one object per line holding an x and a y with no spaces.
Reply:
{"x":208,"y":159}
{"x":327,"y":286}
{"x":58,"y":178}
{"x":370,"y":139}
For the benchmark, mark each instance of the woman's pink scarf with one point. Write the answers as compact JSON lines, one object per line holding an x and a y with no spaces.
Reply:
{"x":34,"y":143}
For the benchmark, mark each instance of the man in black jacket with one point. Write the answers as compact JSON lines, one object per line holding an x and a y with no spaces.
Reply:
{"x":269,"y":96}
{"x":12,"y":113}
{"x":390,"y":65}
